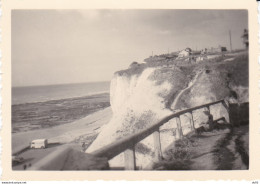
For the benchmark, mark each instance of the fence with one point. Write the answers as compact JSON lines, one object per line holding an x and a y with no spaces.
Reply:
{"x":127,"y":145}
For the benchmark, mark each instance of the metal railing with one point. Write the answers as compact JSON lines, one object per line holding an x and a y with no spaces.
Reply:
{"x":127,"y":145}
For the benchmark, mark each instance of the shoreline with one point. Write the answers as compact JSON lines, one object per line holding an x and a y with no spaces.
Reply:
{"x":64,"y":133}
{"x":85,"y":96}
{"x":42,"y":115}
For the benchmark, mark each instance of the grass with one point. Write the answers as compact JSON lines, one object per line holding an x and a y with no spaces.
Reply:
{"x":136,"y":69}
{"x":178,"y":157}
{"x":182,"y":149}
{"x":223,"y":156}
{"x":206,"y":151}
{"x":224,"y":78}
{"x":238,"y":70}
{"x":242,"y":151}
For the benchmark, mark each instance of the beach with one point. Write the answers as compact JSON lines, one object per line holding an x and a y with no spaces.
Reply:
{"x":66,"y":133}
{"x":83,"y":130}
{"x":71,"y":119}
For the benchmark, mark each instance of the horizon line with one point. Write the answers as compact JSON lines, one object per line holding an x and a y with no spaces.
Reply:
{"x":59,"y":84}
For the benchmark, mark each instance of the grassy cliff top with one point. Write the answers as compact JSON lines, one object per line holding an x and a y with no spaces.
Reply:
{"x":222,"y":76}
{"x":238,"y":66}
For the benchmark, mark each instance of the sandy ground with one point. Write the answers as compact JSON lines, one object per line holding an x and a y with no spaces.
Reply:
{"x":64,"y":133}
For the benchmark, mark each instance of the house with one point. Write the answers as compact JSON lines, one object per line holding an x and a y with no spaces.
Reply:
{"x":217,"y":49}
{"x":185,"y":53}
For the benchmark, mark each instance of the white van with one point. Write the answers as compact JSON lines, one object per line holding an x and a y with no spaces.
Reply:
{"x":39,"y":143}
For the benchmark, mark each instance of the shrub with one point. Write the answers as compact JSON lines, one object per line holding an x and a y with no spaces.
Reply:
{"x":133,"y":64}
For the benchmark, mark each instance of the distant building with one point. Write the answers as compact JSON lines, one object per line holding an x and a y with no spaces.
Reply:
{"x":223,"y":49}
{"x":201,"y":58}
{"x":217,"y":49}
{"x":185,"y":53}
{"x":204,"y":51}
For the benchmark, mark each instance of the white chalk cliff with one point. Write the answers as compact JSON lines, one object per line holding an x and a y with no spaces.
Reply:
{"x":142,"y":99}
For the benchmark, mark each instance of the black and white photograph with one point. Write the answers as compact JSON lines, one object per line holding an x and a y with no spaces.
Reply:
{"x":129,"y":89}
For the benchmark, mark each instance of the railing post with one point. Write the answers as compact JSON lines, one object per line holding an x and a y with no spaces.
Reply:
{"x":192,"y":122}
{"x":157,"y":145}
{"x":129,"y":154}
{"x":226,"y":105}
{"x":179,"y":129}
{"x":208,"y":108}
{"x":210,"y":118}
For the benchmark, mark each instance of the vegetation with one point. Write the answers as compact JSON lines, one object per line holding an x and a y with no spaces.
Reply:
{"x":225,"y":157}
{"x":222,"y":149}
{"x":178,"y":157}
{"x":224,"y":78}
{"x":245,"y":38}
{"x":237,"y":69}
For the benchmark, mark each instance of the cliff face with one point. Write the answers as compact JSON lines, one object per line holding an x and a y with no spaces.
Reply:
{"x":138,"y":93}
{"x":137,"y":102}
{"x":139,"y":99}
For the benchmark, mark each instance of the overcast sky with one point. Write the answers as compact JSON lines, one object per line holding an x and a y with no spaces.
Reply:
{"x":73,"y":46}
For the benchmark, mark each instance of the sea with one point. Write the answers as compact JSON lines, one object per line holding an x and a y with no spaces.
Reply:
{"x":32,"y":94}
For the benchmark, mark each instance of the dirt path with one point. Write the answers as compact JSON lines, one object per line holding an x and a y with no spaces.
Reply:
{"x":203,"y":155}
{"x":223,"y":156}
{"x":182,"y":91}
{"x":216,"y":150}
{"x":232,"y":151}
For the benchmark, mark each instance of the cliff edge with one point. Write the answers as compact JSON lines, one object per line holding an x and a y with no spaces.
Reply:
{"x":145,"y":93}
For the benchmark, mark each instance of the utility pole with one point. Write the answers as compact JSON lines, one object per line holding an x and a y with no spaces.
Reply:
{"x":230,"y":40}
{"x":152,"y":53}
